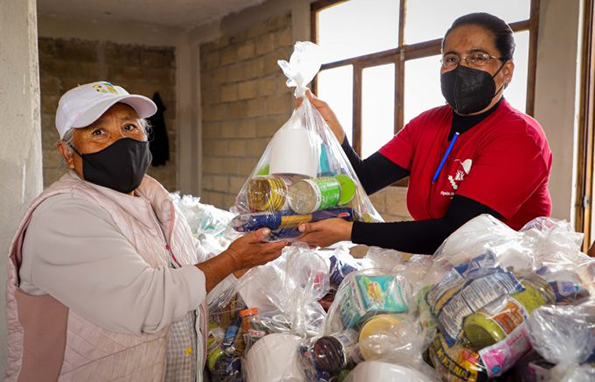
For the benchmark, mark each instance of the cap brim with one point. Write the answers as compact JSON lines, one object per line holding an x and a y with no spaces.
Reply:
{"x":143,"y":106}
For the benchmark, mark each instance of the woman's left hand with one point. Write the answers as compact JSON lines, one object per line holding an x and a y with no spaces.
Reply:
{"x":325,"y":232}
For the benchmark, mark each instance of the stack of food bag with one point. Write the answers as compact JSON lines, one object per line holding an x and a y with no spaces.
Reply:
{"x":303,"y":174}
{"x":491,"y":303}
{"x":484,"y":285}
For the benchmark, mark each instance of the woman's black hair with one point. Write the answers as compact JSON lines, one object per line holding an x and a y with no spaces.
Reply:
{"x":503,"y":35}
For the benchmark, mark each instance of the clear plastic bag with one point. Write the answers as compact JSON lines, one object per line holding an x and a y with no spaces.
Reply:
{"x":202,"y":218}
{"x":565,"y":336}
{"x":289,"y":288}
{"x":303,"y":174}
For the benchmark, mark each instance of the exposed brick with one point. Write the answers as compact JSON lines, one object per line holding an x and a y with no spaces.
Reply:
{"x":229,"y":129}
{"x":253,"y":68}
{"x":247,"y":89}
{"x":265,"y":44}
{"x":255,"y":107}
{"x":236,"y":183}
{"x":246,"y":128}
{"x":211,"y":60}
{"x":222,"y":42}
{"x":211,"y":129}
{"x":229,"y":93}
{"x":228,"y":56}
{"x":278,"y":22}
{"x":220,"y":183}
{"x":236,"y":110}
{"x":246,"y":51}
{"x":228,"y":201}
{"x":230,"y":165}
{"x":280,"y":104}
{"x":267,"y":126}
{"x":235,"y":73}
{"x":266,"y":86}
{"x":237,"y":148}
{"x":284,"y":37}
{"x":246,"y":165}
{"x":207,"y":181}
{"x":256,"y":30}
{"x":214,"y":198}
{"x":255,"y":147}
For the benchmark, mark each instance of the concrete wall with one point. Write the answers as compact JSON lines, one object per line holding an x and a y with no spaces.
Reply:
{"x":66,"y":63}
{"x":20,"y":146}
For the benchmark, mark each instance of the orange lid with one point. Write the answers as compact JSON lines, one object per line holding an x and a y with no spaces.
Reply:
{"x":249,"y":312}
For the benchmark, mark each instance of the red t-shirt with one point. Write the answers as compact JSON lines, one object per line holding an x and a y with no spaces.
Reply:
{"x":503,"y":162}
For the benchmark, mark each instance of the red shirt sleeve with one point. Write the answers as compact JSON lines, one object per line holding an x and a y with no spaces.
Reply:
{"x":400,"y":149}
{"x":507,"y":172}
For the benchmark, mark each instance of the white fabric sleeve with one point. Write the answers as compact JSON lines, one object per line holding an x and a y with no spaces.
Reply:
{"x":74,"y":252}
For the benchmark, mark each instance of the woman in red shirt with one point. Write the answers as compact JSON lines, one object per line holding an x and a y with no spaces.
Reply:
{"x":473,"y":156}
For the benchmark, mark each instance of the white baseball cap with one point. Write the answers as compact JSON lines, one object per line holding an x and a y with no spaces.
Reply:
{"x":83,"y":105}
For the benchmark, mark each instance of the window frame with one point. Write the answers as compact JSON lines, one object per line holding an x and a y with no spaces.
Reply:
{"x":403,"y":53}
{"x":583,"y":207}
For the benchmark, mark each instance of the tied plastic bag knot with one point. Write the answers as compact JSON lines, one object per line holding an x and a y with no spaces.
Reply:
{"x":303,"y":65}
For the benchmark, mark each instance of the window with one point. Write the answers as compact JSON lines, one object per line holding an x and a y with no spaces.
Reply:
{"x":382,"y":59}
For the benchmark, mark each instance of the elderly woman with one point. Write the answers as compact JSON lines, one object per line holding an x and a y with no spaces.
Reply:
{"x":104,"y":282}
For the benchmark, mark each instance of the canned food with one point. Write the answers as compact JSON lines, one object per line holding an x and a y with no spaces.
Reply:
{"x":309,"y":195}
{"x":268,"y":193}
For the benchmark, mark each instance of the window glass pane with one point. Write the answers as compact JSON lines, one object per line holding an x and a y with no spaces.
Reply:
{"x":378,"y":107}
{"x":335,"y":86}
{"x":429,"y":19}
{"x":516,"y":92}
{"x":422,"y":86}
{"x":358,"y":27}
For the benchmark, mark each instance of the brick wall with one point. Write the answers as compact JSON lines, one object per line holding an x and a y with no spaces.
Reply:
{"x":244,"y":101}
{"x":65,"y":64}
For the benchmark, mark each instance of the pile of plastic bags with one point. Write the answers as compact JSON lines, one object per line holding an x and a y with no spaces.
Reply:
{"x":491,"y":303}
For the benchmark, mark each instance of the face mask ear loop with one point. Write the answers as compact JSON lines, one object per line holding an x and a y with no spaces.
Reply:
{"x":495,"y":74}
{"x":73,"y":149}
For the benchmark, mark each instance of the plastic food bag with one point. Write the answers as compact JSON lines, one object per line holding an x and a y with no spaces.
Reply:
{"x":303,"y":174}
{"x":481,"y":309}
{"x":565,"y":336}
{"x":289,"y":288}
{"x":202,"y":218}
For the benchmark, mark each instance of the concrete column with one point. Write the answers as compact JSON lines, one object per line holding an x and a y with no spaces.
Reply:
{"x":557,"y":96}
{"x":20,"y":146}
{"x":188,"y":112}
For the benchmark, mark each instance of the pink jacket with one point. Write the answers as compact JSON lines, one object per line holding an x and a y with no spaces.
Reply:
{"x":49,"y":342}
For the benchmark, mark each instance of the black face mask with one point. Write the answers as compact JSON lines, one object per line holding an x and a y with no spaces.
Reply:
{"x":468,"y":90}
{"x":121,"y":166}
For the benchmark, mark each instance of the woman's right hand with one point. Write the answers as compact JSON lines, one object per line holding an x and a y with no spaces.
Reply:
{"x":327,"y":113}
{"x":249,"y":250}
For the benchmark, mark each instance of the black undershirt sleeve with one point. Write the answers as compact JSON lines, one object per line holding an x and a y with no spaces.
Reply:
{"x":423,"y":236}
{"x":375,"y":172}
